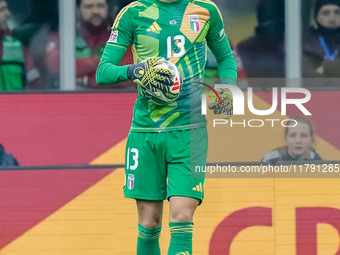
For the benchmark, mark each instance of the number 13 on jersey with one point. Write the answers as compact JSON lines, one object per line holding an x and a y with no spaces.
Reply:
{"x":179,"y":50}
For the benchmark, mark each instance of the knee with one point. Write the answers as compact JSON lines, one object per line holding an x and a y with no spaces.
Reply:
{"x":149,"y":216}
{"x":184,"y":215}
{"x":182,"y":209}
{"x":150,"y":223}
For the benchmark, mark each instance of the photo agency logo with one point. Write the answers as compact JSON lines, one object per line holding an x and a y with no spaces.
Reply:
{"x":239,"y":105}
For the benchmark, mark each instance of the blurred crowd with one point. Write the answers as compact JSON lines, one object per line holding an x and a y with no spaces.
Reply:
{"x":263,"y":54}
{"x":31,"y":50}
{"x":30,"y":46}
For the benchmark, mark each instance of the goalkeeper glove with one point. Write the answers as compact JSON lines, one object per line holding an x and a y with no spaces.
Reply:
{"x":227,"y":103}
{"x":150,"y":77}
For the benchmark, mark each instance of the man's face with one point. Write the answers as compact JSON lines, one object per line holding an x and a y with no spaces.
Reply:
{"x":329,"y":16}
{"x":4,"y":15}
{"x":93,"y":11}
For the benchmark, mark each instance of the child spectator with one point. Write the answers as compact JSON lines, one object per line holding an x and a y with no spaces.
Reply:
{"x":298,"y":143}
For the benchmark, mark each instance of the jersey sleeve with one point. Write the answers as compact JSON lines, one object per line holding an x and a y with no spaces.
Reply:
{"x":219,"y":44}
{"x":122,"y":28}
{"x":108,"y":71}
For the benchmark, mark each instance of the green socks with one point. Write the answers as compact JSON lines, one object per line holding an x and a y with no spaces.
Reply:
{"x":180,"y":243}
{"x":148,"y":241}
{"x":181,"y":238}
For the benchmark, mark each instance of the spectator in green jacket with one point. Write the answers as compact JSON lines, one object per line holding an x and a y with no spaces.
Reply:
{"x":12,"y":64}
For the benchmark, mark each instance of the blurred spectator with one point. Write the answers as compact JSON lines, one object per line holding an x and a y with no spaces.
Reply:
{"x":42,"y":13}
{"x":12,"y":70}
{"x":298,"y":143}
{"x":34,"y":33}
{"x":211,"y":70}
{"x":7,"y":159}
{"x":321,"y":46}
{"x":93,"y":31}
{"x":263,"y":54}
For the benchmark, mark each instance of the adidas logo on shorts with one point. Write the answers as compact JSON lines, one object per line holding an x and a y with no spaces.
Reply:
{"x":198,"y":187}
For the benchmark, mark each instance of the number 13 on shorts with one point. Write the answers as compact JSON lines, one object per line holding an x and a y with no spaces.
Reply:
{"x":131,"y":159}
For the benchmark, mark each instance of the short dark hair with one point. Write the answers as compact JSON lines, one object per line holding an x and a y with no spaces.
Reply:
{"x":79,"y":2}
{"x":2,"y":148}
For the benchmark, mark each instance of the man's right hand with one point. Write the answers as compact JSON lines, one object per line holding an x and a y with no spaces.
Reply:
{"x":150,"y":77}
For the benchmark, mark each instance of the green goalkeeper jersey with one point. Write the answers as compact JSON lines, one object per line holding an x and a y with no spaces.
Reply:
{"x":178,"y":31}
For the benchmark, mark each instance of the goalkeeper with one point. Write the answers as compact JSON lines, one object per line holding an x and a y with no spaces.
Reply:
{"x":165,"y":143}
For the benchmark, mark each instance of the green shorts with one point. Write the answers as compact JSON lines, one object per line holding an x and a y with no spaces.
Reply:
{"x":161,"y":165}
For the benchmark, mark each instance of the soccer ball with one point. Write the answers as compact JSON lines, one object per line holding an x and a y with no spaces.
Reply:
{"x":161,"y":98}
